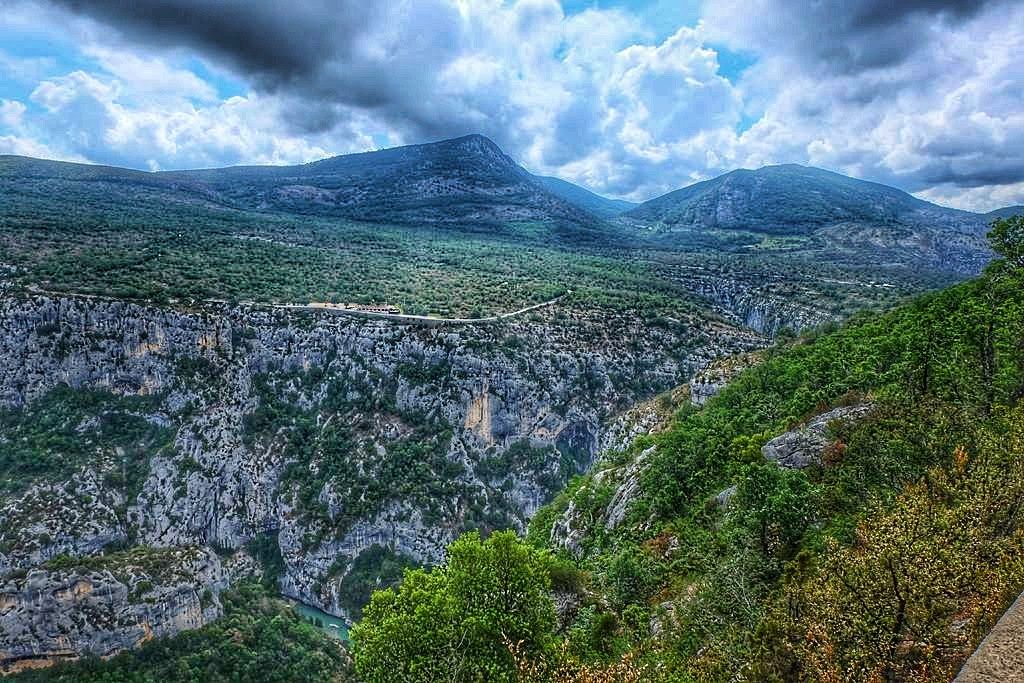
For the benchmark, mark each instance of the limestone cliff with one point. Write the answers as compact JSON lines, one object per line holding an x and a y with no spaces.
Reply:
{"x":216,"y":425}
{"x":101,"y":607}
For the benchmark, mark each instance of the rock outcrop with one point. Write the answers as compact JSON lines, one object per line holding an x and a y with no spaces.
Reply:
{"x":805,"y":446}
{"x":627,"y":489}
{"x":755,"y":306}
{"x":103,"y":607}
{"x":570,"y":529}
{"x":706,"y":384}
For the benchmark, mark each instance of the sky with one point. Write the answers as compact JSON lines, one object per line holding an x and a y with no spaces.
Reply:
{"x":630,"y":98}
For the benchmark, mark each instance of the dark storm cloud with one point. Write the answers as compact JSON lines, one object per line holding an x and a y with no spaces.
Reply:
{"x":278,"y":42}
{"x":321,"y":55}
{"x":873,"y":13}
{"x":845,"y":36}
{"x":972,"y":172}
{"x":878,"y":33}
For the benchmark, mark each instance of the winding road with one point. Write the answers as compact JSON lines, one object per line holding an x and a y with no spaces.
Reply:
{"x":430,"y":321}
{"x":419,"y":319}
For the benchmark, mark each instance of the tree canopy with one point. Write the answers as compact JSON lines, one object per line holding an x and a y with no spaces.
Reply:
{"x":1007,"y":239}
{"x":458,"y":621}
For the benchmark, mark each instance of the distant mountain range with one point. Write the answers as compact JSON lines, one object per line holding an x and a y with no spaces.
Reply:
{"x":469,"y":182}
{"x":1006,"y":212}
{"x":466,"y":181}
{"x":602,"y":207}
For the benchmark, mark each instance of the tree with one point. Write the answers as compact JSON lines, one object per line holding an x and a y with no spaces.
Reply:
{"x":455,"y":622}
{"x":775,"y":506}
{"x":1007,"y":239}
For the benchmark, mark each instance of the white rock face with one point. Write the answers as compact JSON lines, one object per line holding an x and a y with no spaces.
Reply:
{"x":757,"y":309}
{"x":572,"y":526}
{"x":49,"y":615}
{"x":710,"y":381}
{"x":723,"y":499}
{"x":627,"y":490}
{"x":504,"y":414}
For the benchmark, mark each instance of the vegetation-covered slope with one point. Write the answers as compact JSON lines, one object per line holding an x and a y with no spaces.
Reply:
{"x":1006,"y":212}
{"x":466,"y":181}
{"x":886,"y":557}
{"x":132,"y":235}
{"x":456,"y":227}
{"x":602,"y":207}
{"x":791,"y":199}
{"x":322,"y":427}
{"x":69,"y":228}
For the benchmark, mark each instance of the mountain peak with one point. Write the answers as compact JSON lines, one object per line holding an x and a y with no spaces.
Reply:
{"x":815,"y":204}
{"x":478,"y":138}
{"x":466,"y":180}
{"x":783,"y":197}
{"x":787,"y":167}
{"x":475,"y":144}
{"x":465,"y":144}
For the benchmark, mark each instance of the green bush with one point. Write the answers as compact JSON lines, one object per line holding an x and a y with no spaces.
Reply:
{"x":457,"y":621}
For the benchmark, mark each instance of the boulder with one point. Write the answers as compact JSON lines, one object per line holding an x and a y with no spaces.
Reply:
{"x":804,"y":446}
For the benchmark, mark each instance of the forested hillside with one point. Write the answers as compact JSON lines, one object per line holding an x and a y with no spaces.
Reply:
{"x":511,"y":341}
{"x":851,"y":508}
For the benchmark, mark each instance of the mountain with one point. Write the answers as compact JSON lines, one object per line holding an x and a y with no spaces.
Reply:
{"x":174,"y":425}
{"x":603,"y":207}
{"x":351,"y":228}
{"x":1005,"y":212}
{"x":793,"y":201}
{"x":469,"y":183}
{"x":465,"y":181}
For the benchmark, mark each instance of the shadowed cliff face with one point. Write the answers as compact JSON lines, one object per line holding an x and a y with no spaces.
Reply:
{"x":328,"y":434}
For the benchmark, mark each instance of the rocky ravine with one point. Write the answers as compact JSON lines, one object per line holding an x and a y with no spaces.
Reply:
{"x":329,"y":435}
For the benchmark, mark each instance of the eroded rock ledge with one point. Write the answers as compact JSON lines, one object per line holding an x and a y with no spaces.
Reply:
{"x":107,"y":605}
